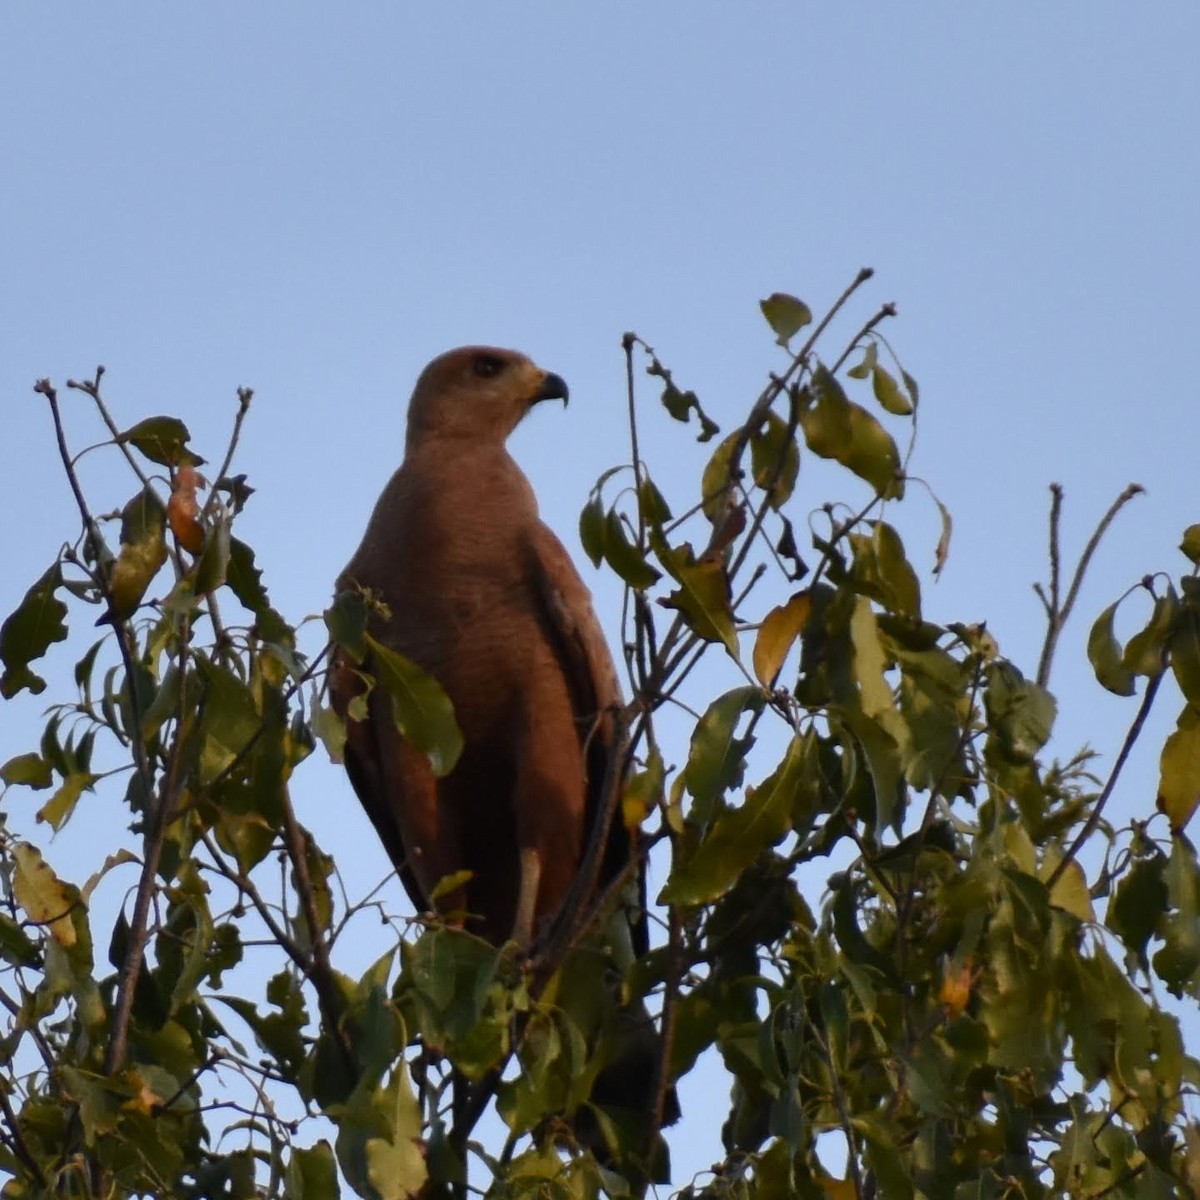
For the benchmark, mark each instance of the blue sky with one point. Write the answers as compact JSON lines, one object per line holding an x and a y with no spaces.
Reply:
{"x":314,"y":200}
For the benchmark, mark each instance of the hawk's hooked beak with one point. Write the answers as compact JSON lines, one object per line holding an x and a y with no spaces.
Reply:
{"x":553,"y":387}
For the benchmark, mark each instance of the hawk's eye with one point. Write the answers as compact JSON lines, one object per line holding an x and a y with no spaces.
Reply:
{"x":488,"y":366}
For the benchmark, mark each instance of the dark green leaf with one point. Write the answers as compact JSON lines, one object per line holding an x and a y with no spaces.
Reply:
{"x":1104,"y":653}
{"x":592,"y":529}
{"x":1185,"y":652}
{"x":625,"y":558}
{"x":1145,"y":651}
{"x":702,"y":596}
{"x":775,"y":460}
{"x":162,"y":440}
{"x":312,"y":1174}
{"x":29,"y":632}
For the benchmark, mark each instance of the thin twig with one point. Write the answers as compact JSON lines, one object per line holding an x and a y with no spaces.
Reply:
{"x":1059,"y":616}
{"x":321,"y":972}
{"x":1127,"y":745}
{"x":19,"y":1145}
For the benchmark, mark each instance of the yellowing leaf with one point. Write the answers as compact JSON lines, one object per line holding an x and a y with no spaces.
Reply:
{"x":1070,"y":890}
{"x":1179,"y":770}
{"x":1191,"y":543}
{"x":1104,"y":653}
{"x":143,"y":551}
{"x":955,"y":991}
{"x":43,"y":897}
{"x":786,"y":315}
{"x":835,"y":427}
{"x":777,"y":634}
{"x":888,"y":393}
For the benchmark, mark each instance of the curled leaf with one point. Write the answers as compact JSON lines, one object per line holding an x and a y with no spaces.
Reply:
{"x":183,"y":509}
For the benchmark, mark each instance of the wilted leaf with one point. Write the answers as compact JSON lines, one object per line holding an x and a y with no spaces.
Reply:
{"x":143,"y":551}
{"x":29,"y":632}
{"x":1104,"y":653}
{"x":43,"y":897}
{"x":58,"y":809}
{"x":942,"y":551}
{"x":786,"y":315}
{"x":682,"y":404}
{"x":1179,"y":770}
{"x":867,"y":365}
{"x":162,"y":440}
{"x":777,"y":634}
{"x":421,"y":709}
{"x":183,"y":509}
{"x":835,"y":427}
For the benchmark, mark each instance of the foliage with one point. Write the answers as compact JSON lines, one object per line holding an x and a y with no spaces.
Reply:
{"x":975,"y":1008}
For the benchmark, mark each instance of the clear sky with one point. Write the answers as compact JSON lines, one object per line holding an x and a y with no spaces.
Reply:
{"x":315,"y":199}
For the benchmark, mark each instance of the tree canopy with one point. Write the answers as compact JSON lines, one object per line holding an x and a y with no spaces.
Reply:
{"x":981,"y":999}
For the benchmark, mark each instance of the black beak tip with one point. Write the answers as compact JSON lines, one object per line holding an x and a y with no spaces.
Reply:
{"x":554,"y":387}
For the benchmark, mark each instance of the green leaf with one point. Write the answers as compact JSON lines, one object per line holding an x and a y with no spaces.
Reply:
{"x":715,"y":483}
{"x":1104,"y":653}
{"x":716,"y":758}
{"x":15,"y":945}
{"x":1179,"y":770}
{"x":1145,"y":651}
{"x":652,"y":504}
{"x":592,"y":529}
{"x":421,"y":709}
{"x":143,"y":551}
{"x":1139,"y":904}
{"x":212,"y":567}
{"x":702,"y":596}
{"x":1020,"y":713}
{"x":28,"y":633}
{"x":739,"y":835}
{"x":346,"y":619}
{"x":775,"y":460}
{"x":30,"y":769}
{"x":881,"y":570}
{"x":1177,"y":964}
{"x":888,"y":393}
{"x":231,"y":719}
{"x":1185,"y":652}
{"x":312,"y":1174}
{"x":786,"y":315}
{"x":162,"y":440}
{"x":835,"y":427}
{"x":625,"y":558}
